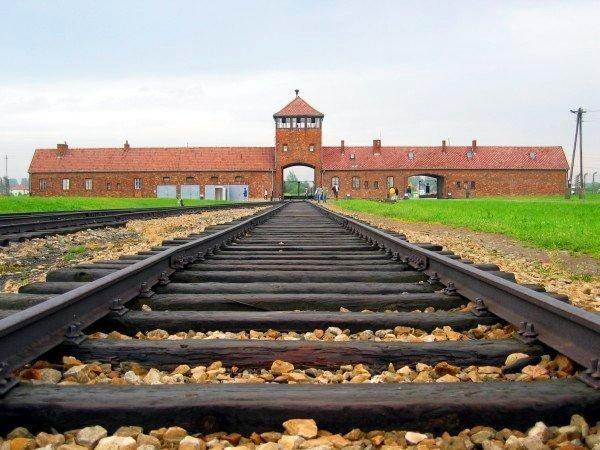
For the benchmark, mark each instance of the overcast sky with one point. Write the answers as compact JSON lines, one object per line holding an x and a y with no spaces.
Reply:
{"x":164,"y":73}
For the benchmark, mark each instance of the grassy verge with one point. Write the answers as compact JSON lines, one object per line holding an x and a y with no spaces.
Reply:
{"x":546,"y":222}
{"x":24,"y":204}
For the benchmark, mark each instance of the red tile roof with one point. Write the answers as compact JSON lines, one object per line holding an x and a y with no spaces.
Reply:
{"x":161,"y":159}
{"x":157,"y":159}
{"x":431,"y":158}
{"x":298,"y":108}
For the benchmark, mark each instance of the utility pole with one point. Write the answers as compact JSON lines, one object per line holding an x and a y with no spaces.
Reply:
{"x":578,"y":135}
{"x":594,"y":181}
{"x":6,"y":183}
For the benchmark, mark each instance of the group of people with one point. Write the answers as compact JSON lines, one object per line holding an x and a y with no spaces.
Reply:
{"x":321,"y":193}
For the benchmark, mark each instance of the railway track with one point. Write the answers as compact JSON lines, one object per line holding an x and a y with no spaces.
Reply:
{"x":307,"y":303}
{"x":21,"y":227}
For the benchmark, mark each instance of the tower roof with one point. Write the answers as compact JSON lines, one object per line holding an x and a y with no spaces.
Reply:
{"x":298,"y":108}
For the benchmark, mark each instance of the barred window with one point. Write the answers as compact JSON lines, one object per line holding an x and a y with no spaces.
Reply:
{"x":335,"y":181}
{"x":356,"y":182}
{"x":390,"y":182}
{"x":66,"y":184}
{"x":88,"y":184}
{"x":43,"y":184}
{"x":375,"y":184}
{"x":137,"y":183}
{"x":366,"y":185}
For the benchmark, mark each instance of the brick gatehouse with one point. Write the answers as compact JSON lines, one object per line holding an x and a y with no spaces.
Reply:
{"x":359,"y":171}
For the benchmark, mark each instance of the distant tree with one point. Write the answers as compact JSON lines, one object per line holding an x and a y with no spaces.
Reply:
{"x":291,"y":176}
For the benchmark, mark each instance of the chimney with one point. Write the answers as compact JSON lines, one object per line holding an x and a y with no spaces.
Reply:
{"x":444,"y":146}
{"x":377,"y":146}
{"x":126,"y":145}
{"x":61,"y":149}
{"x":342,"y":147}
{"x":474,"y":145}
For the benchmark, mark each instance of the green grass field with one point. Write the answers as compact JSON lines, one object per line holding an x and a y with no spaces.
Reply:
{"x":18,"y":204}
{"x":546,"y":222}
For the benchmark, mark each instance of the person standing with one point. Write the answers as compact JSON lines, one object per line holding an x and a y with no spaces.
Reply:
{"x":335,"y":190}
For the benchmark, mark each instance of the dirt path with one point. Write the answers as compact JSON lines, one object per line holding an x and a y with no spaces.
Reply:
{"x":26,"y":262}
{"x":576,"y":276}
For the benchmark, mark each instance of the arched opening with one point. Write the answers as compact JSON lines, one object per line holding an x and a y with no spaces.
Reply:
{"x":426,"y":186}
{"x":298,"y":181}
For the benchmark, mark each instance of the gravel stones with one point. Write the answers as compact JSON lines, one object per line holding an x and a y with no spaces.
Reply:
{"x":303,"y":434}
{"x":132,"y":373}
{"x":331,"y":334}
{"x":117,"y":443}
{"x":306,"y":428}
{"x":414,"y":438}
{"x":90,"y":436}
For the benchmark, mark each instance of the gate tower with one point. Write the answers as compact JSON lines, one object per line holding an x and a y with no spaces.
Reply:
{"x":297,"y":141}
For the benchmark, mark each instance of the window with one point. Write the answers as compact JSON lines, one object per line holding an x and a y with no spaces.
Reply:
{"x":88,"y":184}
{"x":472,"y":185}
{"x":239,"y":179}
{"x":335,"y":181}
{"x":214,"y":179}
{"x":458,"y":185}
{"x":118,"y":186}
{"x":411,"y":155}
{"x":66,"y":184}
{"x":189,"y":180}
{"x":166,"y":179}
{"x":352,"y":155}
{"x":311,"y":148}
{"x":43,"y":184}
{"x":137,"y":183}
{"x":532,"y":155}
{"x":355,"y":182}
{"x":366,"y":183}
{"x":470,"y":154}
{"x":390,"y":182}
{"x":285,"y":147}
{"x":469,"y":185}
{"x":108,"y":186}
{"x":375,"y":184}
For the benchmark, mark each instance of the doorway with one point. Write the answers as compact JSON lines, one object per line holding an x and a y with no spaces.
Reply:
{"x":298,"y":181}
{"x":426,"y":186}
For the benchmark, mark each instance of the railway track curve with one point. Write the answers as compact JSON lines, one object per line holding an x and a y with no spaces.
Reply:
{"x":275,"y":285}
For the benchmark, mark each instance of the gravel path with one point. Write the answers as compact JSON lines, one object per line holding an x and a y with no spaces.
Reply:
{"x":26,"y":262}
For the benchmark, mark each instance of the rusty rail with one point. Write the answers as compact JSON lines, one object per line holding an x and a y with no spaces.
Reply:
{"x":31,"y":332}
{"x":566,"y":328}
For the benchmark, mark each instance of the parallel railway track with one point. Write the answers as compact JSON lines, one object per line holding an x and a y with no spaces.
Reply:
{"x":294,"y":267}
{"x":21,"y":227}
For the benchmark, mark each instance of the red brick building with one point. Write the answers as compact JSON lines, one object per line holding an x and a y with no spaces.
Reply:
{"x":359,"y":171}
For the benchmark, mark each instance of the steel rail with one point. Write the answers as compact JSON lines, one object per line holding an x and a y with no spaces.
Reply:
{"x":29,"y":333}
{"x":572,"y":331}
{"x":43,"y":222}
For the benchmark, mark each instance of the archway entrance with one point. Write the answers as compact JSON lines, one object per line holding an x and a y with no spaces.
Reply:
{"x":426,"y":186}
{"x":298,"y":181}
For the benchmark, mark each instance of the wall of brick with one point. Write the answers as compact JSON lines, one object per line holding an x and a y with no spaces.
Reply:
{"x":122,"y":184}
{"x":298,"y":141}
{"x":487,"y":183}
